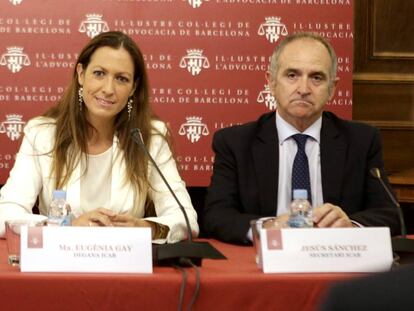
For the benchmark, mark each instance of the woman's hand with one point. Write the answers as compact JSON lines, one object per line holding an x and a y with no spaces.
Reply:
{"x":105,"y":217}
{"x":97,"y":217}
{"x":125,"y":220}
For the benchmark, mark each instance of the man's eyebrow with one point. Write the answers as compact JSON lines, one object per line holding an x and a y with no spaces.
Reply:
{"x":295,"y":70}
{"x":321,"y":73}
{"x":312,"y":73}
{"x":318,"y":73}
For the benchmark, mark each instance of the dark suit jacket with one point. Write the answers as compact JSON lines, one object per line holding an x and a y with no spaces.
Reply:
{"x":244,"y":184}
{"x":386,"y":291}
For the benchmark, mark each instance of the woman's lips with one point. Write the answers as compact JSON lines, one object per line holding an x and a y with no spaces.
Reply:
{"x":104,"y":102}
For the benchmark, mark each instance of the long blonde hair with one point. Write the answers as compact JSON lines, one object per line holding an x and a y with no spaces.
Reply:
{"x":72,"y":127}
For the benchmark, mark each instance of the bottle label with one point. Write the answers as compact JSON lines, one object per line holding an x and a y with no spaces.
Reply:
{"x":59,"y":221}
{"x":66,"y":221}
{"x":299,"y":221}
{"x":54,"y":221}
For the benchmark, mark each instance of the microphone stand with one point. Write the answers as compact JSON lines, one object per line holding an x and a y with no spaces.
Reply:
{"x":402,"y":243}
{"x":181,"y":252}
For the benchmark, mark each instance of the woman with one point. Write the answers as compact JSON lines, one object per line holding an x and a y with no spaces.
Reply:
{"x":83,"y":145}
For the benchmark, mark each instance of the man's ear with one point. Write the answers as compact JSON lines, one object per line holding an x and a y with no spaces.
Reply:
{"x":268,"y":77}
{"x":270,"y":81}
{"x":81,"y":73}
{"x":332,"y":88}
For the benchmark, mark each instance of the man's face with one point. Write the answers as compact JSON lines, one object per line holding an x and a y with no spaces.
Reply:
{"x":302,"y":84}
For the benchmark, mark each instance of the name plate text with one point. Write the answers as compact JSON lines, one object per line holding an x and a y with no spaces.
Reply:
{"x":325,"y":250}
{"x":85,"y":249}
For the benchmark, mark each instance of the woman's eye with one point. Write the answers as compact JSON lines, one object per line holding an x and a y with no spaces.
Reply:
{"x":123,"y":79}
{"x":98,"y":73}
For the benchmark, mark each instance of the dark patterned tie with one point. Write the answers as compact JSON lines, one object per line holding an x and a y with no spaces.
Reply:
{"x":300,"y":169}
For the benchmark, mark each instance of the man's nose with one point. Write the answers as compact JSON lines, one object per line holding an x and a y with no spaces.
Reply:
{"x":303,"y":86}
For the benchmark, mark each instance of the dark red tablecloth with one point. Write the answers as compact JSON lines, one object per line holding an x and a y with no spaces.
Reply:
{"x":232,"y":284}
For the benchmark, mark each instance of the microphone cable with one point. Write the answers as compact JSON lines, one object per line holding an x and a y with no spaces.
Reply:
{"x":182,"y":286}
{"x":183,"y":261}
{"x":187,"y":262}
{"x":197,"y":283}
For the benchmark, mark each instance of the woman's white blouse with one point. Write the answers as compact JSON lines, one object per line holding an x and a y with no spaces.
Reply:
{"x":30,"y":179}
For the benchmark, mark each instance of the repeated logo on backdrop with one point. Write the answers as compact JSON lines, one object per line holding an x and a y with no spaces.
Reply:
{"x":16,"y":2}
{"x":93,"y":25}
{"x":272,"y":29}
{"x":193,"y":129}
{"x":12,"y":126}
{"x":194,"y":61}
{"x":196,"y":3}
{"x":206,"y":69}
{"x":14,"y":59}
{"x":265,"y":97}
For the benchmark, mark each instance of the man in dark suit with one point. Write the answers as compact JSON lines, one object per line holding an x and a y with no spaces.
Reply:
{"x":253,"y":162}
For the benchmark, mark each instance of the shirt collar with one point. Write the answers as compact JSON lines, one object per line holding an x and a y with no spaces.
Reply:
{"x":285,"y":130}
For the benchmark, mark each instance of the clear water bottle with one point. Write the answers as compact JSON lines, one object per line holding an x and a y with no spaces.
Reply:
{"x":59,"y":213}
{"x":300,"y":210}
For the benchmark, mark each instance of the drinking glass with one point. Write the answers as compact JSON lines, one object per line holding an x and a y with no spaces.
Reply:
{"x":256,"y":225}
{"x":13,"y":228}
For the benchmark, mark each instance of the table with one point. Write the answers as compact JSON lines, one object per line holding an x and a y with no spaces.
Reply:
{"x":403,"y":185}
{"x":232,"y":284}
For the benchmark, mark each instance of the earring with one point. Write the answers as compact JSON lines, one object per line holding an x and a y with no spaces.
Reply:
{"x":80,"y":97}
{"x":129,"y":107}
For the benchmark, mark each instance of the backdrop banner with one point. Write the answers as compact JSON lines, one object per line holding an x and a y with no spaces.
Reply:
{"x":206,"y":61}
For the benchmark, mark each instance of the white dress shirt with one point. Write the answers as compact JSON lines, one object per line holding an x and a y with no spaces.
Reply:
{"x":287,"y":152}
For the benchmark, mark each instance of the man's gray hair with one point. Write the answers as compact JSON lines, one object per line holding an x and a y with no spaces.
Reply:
{"x":274,"y":61}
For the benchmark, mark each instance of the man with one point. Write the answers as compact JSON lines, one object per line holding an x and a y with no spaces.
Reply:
{"x":253,"y":162}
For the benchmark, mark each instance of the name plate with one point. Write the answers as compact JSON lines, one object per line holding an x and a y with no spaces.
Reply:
{"x":85,"y":249}
{"x":325,"y":250}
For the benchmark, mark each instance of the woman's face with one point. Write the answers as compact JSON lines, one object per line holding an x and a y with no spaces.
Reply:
{"x":107,"y":82}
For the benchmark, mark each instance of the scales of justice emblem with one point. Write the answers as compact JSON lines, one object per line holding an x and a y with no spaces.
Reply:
{"x":13,"y":126}
{"x":15,"y":59}
{"x":93,"y":25}
{"x":196,"y":3}
{"x":193,"y":129}
{"x":16,"y":2}
{"x":194,"y":61}
{"x":272,"y":29}
{"x":266,"y":97}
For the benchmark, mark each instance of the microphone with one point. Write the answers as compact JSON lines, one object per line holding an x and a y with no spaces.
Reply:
{"x":399,"y":244}
{"x":179,"y":253}
{"x":377,"y":174}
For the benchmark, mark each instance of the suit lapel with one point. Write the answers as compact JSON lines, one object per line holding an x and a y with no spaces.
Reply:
{"x":265,"y":153}
{"x":333,"y":156}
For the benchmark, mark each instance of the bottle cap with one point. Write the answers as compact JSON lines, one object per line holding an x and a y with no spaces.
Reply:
{"x":300,"y":194}
{"x":59,"y":194}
